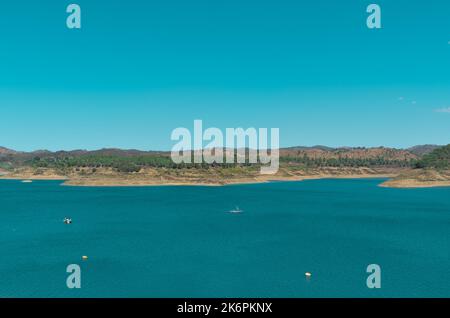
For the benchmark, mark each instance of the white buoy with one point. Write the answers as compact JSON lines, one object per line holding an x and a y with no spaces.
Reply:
{"x":84,"y":258}
{"x":308,"y":275}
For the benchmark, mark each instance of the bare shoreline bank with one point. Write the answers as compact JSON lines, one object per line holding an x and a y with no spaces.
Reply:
{"x":214,"y":181}
{"x":413,"y":184}
{"x":228,"y":182}
{"x":149,"y":183}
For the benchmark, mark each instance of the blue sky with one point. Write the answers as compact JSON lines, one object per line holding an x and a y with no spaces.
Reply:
{"x":138,"y":69}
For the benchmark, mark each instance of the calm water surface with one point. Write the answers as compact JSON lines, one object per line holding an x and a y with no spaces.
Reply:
{"x":181,"y":242}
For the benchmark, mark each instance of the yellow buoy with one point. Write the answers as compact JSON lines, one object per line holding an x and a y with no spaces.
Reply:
{"x":84,"y":258}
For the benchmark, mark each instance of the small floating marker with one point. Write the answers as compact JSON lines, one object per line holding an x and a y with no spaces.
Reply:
{"x":308,"y":275}
{"x":85,"y":258}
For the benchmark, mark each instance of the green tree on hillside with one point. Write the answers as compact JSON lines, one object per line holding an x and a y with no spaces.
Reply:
{"x":438,"y":158}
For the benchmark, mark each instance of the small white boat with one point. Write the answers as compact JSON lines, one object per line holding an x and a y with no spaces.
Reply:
{"x":236,"y":210}
{"x":27,"y":181}
{"x":67,"y":221}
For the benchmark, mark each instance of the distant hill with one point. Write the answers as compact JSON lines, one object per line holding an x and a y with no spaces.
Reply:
{"x":422,"y":149}
{"x":303,"y":148}
{"x":125,"y":153}
{"x":133,"y":160}
{"x":348,"y":152}
{"x":6,"y":151}
{"x":314,"y":151}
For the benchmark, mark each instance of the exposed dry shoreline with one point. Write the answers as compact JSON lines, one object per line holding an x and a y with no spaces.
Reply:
{"x":117,"y":183}
{"x":143,"y":183}
{"x":404,"y":184}
{"x":420,"y":178}
{"x":403,"y":178}
{"x":155,"y":177}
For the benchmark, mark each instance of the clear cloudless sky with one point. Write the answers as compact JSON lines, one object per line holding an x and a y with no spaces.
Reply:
{"x":138,"y":69}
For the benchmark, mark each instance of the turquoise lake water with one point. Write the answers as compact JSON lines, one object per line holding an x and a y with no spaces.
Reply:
{"x":181,"y":242}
